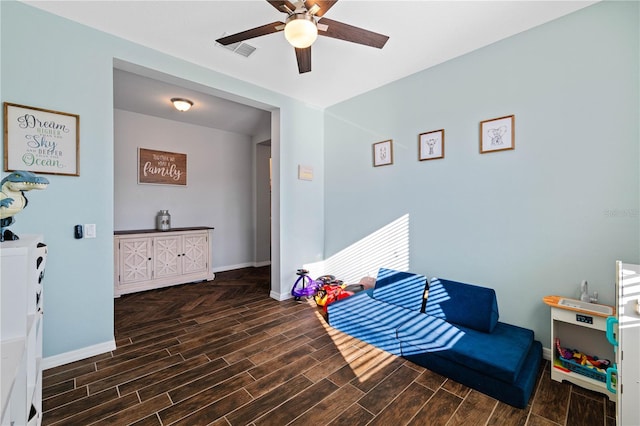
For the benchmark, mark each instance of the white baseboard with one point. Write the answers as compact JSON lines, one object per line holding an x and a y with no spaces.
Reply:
{"x":240,"y":266}
{"x":279,"y":296}
{"x":546,"y":353}
{"x":77,"y":355}
{"x":232,"y":267}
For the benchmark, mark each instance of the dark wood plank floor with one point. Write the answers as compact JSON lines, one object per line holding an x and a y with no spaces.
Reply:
{"x":224,"y":353}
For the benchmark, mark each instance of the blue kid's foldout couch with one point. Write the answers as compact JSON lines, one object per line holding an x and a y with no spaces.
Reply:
{"x":454,"y":332}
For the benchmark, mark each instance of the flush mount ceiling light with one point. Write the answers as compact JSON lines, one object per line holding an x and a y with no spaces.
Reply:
{"x":301,"y":30}
{"x":182,"y":104}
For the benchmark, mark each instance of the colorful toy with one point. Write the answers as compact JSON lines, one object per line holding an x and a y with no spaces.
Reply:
{"x":341,"y":295}
{"x":564,"y":353}
{"x":13,"y":200}
{"x":584,"y":360}
{"x":307,"y":287}
{"x":326,"y":289}
{"x":304,"y":285}
{"x":329,"y":293}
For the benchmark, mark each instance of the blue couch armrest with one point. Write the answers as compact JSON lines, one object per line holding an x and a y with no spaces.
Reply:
{"x":399,"y":288}
{"x":463,"y":304}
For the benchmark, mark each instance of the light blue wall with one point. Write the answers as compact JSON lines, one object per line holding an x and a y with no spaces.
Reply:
{"x":535,"y":221}
{"x":56,"y":64}
{"x":559,"y":208}
{"x":306,"y":196}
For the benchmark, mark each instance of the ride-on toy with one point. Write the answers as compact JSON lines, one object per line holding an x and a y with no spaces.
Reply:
{"x":305,"y":286}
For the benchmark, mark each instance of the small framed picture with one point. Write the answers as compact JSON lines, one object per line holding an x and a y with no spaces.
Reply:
{"x":497,"y":134}
{"x":431,"y":145}
{"x":383,"y":153}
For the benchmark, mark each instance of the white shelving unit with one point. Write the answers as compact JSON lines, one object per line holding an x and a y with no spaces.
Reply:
{"x":22,"y":270}
{"x":584,"y":331}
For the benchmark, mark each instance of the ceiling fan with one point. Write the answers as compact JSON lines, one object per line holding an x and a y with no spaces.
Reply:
{"x":302,"y":27}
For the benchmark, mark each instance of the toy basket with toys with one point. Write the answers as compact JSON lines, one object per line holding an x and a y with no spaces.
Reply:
{"x":586,"y":365}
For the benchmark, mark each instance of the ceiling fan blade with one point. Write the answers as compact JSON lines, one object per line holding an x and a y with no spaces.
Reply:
{"x":353,"y":34}
{"x":304,"y":59}
{"x":323,"y":4}
{"x":273,"y":27}
{"x":278,"y":5}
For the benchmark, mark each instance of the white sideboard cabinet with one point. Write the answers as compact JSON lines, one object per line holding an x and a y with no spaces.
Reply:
{"x":21,"y":301}
{"x":148,"y":259}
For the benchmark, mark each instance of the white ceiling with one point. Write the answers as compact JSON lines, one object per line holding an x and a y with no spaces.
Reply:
{"x":150,"y":96}
{"x":422,"y":34}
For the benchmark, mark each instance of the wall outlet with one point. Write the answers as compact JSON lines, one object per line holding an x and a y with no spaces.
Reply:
{"x":90,"y":230}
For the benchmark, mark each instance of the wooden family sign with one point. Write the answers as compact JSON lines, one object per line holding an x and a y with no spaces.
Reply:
{"x":161,"y":167}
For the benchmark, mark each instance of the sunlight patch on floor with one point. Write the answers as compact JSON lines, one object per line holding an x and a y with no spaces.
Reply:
{"x":387,"y":247}
{"x":363,"y":359}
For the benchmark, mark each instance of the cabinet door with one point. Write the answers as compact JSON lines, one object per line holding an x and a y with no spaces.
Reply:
{"x":167,"y":255}
{"x":195,"y":254}
{"x":135,"y":260}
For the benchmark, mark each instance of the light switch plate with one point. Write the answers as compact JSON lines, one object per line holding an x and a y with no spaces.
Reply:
{"x":305,"y":172}
{"x":90,"y":230}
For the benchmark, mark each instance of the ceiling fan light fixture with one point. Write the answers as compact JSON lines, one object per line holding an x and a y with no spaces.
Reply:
{"x":182,"y":104}
{"x":301,"y":30}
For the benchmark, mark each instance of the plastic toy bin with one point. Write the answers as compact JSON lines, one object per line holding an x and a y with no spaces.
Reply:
{"x":592,"y":373}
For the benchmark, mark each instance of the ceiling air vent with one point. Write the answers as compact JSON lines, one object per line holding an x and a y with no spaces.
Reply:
{"x":241,"y":48}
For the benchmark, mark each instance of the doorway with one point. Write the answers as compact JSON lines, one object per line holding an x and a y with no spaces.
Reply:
{"x":263,"y":203}
{"x":237,"y":242}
